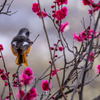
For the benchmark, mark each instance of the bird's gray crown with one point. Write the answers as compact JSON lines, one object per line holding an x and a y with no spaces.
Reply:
{"x":24,"y":32}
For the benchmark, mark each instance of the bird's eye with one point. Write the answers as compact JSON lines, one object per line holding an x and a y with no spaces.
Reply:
{"x":27,"y":34}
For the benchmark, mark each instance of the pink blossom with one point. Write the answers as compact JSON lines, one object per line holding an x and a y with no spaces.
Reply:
{"x":50,"y":62}
{"x":91,"y":32}
{"x":10,"y":93}
{"x":0,"y":98}
{"x":61,"y":48}
{"x":26,"y":80}
{"x":4,"y":76}
{"x":86,"y":2}
{"x":1,"y":47}
{"x":77,"y":37}
{"x":35,"y":7}
{"x":84,"y":35}
{"x":15,"y":83}
{"x":7,"y":97}
{"x":1,"y":71}
{"x":60,"y":2}
{"x":46,"y":85}
{"x":20,"y":94}
{"x":97,"y":7}
{"x":52,"y":6}
{"x":90,"y":12}
{"x":27,"y":76}
{"x":43,"y":13}
{"x":61,"y":14}
{"x":32,"y":95}
{"x":6,"y":84}
{"x":98,"y":69}
{"x":65,"y":11}
{"x":94,"y":8}
{"x":64,"y":27}
{"x":91,"y":57}
{"x":28,"y":71}
{"x":54,"y":73}
{"x":52,"y":48}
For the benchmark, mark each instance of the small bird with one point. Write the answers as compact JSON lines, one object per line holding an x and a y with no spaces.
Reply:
{"x":21,"y":46}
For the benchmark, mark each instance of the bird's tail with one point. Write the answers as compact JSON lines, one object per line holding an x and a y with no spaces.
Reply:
{"x":21,"y":59}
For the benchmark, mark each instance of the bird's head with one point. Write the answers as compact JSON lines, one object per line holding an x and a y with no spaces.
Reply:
{"x":24,"y":32}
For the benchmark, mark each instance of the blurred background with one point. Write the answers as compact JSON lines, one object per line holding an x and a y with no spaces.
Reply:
{"x":39,"y":56}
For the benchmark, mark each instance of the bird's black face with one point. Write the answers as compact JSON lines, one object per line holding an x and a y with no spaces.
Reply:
{"x":24,"y":32}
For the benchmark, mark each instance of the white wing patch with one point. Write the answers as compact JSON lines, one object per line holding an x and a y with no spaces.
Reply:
{"x":25,"y":43}
{"x":14,"y":43}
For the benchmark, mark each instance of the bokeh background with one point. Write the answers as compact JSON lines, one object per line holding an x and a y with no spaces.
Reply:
{"x":39,"y":56}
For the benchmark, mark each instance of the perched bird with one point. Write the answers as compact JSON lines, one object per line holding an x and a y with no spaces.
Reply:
{"x":21,"y":46}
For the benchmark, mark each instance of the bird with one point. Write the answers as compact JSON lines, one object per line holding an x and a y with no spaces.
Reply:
{"x":21,"y":46}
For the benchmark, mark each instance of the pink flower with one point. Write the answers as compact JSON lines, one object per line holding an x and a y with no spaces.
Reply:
{"x":52,"y":6}
{"x":94,"y":8}
{"x":15,"y":83}
{"x":84,"y":35}
{"x":32,"y":95}
{"x":4,"y":76}
{"x":91,"y":57}
{"x":60,"y":2}
{"x":52,"y":48}
{"x":46,"y":85}
{"x":60,"y":14}
{"x":20,"y":94}
{"x":6,"y":84}
{"x":43,"y":13}
{"x":26,"y":80}
{"x":65,"y":11}
{"x":10,"y":93}
{"x":91,"y":32}
{"x":27,"y":76}
{"x":77,"y":37}
{"x":54,"y":73}
{"x":0,"y":98}
{"x":1,"y":71}
{"x":28,"y":71}
{"x":90,"y":12}
{"x":64,"y":27}
{"x":1,"y":47}
{"x":86,"y":2}
{"x":35,"y":7}
{"x":98,"y":69}
{"x":97,"y":7}
{"x":61,"y":48}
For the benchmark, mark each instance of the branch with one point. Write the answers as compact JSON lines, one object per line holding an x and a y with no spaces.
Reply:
{"x":83,"y":70}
